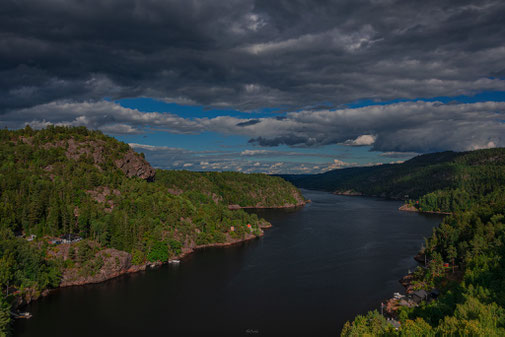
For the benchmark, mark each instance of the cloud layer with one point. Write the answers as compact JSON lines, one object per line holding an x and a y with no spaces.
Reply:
{"x":67,"y":62}
{"x":248,"y":54}
{"x":400,"y":127}
{"x":263,"y":161}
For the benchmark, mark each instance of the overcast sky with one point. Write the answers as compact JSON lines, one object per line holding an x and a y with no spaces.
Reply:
{"x":260,"y":86}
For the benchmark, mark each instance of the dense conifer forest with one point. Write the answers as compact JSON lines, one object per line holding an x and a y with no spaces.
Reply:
{"x":464,"y":174}
{"x":75,"y":204}
{"x":465,"y":255}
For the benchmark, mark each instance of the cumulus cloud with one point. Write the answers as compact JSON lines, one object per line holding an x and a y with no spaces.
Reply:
{"x":337,"y":164}
{"x":362,"y":140}
{"x":183,"y":159}
{"x":103,"y":115}
{"x":400,"y":127}
{"x":57,"y":63}
{"x":253,"y":152}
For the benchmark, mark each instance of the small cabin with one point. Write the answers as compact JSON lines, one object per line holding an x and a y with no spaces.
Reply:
{"x":419,"y":295}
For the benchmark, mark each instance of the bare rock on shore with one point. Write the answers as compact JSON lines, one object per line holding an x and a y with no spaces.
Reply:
{"x":408,"y":208}
{"x":115,"y":263}
{"x":406,"y":281}
{"x":420,"y":257}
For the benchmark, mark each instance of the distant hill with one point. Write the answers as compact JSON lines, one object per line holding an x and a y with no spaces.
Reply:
{"x":475,"y":171}
{"x":234,"y":188}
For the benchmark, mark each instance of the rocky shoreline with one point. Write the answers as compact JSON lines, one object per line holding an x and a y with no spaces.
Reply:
{"x":102,"y":277}
{"x":410,"y":208}
{"x":123,"y":266}
{"x":349,"y":193}
{"x":299,"y":204}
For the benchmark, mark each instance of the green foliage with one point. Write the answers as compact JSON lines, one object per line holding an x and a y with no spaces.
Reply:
{"x":471,"y":241}
{"x":62,"y":180}
{"x":86,"y":258}
{"x":138,"y":257}
{"x":445,"y":181}
{"x":158,"y":252}
{"x":231,"y":188}
{"x":371,"y":324}
{"x":5,"y":316}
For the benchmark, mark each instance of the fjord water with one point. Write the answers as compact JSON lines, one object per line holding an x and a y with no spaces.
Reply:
{"x":316,"y":268}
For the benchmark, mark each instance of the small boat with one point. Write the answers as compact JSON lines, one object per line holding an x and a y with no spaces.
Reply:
{"x":174,"y":261}
{"x":21,"y":315}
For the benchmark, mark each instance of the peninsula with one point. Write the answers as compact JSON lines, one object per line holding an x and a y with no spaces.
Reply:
{"x":80,"y":207}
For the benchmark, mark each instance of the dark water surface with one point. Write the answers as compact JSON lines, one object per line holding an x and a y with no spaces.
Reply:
{"x":316,"y":268}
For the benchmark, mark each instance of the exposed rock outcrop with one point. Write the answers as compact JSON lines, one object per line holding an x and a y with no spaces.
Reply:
{"x":134,"y":165}
{"x":131,"y":163}
{"x":408,"y":208}
{"x":100,"y":195}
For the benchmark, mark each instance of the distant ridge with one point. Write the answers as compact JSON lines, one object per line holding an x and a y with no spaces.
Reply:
{"x":414,"y":178}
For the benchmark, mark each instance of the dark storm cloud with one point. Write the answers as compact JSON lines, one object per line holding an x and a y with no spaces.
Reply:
{"x":249,"y":122}
{"x":248,"y":54}
{"x":290,"y":140}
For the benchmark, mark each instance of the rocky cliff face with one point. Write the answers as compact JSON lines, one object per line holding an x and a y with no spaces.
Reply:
{"x":131,"y":163}
{"x":134,"y":165}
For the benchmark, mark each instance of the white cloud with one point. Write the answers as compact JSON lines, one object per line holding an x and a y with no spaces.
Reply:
{"x":253,"y":152}
{"x":489,"y":145}
{"x":400,"y":127}
{"x":337,"y":164}
{"x":362,"y":140}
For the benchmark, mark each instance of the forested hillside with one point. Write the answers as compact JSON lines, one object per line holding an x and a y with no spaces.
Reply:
{"x":388,"y":180}
{"x":77,"y":206}
{"x":456,"y":178}
{"x":234,"y":188}
{"x":465,"y":254}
